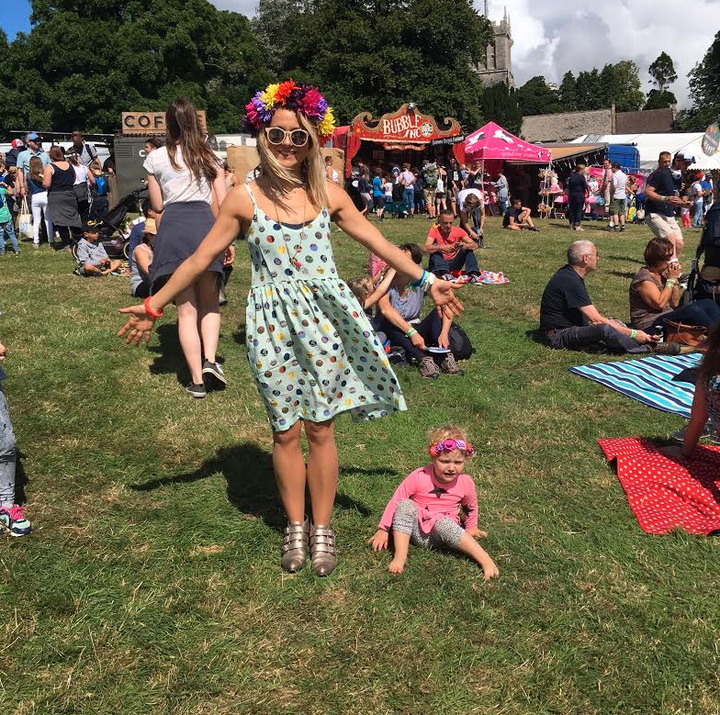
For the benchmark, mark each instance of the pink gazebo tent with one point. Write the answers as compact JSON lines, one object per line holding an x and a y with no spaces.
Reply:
{"x":494,"y":142}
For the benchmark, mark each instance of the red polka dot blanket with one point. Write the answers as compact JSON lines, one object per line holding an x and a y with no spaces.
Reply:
{"x":666,"y":492}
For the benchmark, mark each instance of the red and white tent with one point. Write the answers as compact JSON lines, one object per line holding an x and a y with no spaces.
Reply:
{"x":494,"y":142}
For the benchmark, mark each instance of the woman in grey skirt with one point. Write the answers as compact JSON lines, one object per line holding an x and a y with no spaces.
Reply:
{"x":58,"y":179}
{"x":185,"y":180}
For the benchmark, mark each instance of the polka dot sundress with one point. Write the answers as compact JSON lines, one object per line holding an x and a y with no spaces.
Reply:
{"x":311,"y":348}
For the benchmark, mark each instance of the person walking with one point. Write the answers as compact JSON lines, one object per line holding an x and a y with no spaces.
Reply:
{"x":39,"y":202}
{"x":577,"y":188}
{"x":58,"y":180}
{"x":311,"y":348}
{"x":84,"y":180}
{"x":186,"y":185}
{"x":618,"y":203}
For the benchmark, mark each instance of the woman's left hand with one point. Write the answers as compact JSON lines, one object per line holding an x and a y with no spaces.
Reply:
{"x":443,"y":295}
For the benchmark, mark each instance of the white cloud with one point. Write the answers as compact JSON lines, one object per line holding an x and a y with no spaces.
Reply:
{"x":551,"y":38}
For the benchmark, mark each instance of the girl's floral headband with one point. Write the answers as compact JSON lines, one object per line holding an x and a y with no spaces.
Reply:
{"x":450,"y":445}
{"x":296,"y":96}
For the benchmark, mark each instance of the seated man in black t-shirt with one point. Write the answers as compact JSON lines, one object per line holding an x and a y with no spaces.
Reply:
{"x":517,"y":217}
{"x":570,"y":320}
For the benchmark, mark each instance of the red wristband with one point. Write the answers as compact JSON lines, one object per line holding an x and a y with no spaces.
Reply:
{"x":150,"y":311}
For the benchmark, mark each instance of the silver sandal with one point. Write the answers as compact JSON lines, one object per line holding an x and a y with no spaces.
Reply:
{"x":295,"y":546}
{"x":322,"y":550}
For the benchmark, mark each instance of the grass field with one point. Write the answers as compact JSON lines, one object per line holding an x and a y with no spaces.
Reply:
{"x":152,"y":584}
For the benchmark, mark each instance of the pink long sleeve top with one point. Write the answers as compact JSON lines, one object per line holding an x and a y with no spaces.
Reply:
{"x":434,"y":500}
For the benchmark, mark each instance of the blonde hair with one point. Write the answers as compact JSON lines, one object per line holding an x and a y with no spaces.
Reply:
{"x":439,"y":434}
{"x":362,"y":287}
{"x":278,"y":177}
{"x":471,"y":203}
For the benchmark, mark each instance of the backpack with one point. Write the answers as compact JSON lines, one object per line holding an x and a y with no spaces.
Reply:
{"x":101,"y":185}
{"x":460,"y":344}
{"x":430,"y":176}
{"x":711,"y":232}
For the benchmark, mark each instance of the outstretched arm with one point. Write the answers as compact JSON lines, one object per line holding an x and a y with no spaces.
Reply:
{"x":223,"y":233}
{"x":349,"y":219}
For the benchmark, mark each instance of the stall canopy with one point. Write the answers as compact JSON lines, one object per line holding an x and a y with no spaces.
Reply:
{"x":493,"y":142}
{"x":405,"y":129}
{"x":650,"y":146}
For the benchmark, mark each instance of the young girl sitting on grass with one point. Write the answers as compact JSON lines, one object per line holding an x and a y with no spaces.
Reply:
{"x":424,"y":508}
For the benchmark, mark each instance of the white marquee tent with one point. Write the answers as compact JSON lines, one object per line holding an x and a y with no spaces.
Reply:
{"x":650,"y":146}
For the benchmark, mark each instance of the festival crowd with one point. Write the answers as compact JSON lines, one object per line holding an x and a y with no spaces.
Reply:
{"x":318,"y":347}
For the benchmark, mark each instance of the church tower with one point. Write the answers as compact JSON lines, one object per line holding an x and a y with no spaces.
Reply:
{"x":496,"y":66}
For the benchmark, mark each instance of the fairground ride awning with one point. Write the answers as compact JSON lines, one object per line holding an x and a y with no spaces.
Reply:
{"x":407,"y":128}
{"x":493,"y":142}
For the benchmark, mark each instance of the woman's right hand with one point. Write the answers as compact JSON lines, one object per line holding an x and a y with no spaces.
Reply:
{"x":139,"y":325}
{"x":673,"y":270}
{"x":418,"y":341}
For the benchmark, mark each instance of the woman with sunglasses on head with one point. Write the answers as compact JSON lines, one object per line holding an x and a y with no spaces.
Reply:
{"x":186,"y":184}
{"x":311,"y":348}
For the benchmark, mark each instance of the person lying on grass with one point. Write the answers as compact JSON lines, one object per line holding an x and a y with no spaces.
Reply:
{"x":424,"y":508}
{"x":92,"y":257}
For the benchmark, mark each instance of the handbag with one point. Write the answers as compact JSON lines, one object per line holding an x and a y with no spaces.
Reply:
{"x":691,"y":335}
{"x":24,"y":221}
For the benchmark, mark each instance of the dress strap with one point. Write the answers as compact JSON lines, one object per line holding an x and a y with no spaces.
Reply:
{"x":251,"y":195}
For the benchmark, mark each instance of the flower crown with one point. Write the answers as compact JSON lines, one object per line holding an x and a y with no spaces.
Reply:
{"x":450,"y":445}
{"x":296,"y":96}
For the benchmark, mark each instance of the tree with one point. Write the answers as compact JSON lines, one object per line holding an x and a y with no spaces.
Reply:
{"x":500,"y":105}
{"x":662,"y":71}
{"x":567,"y":93}
{"x":705,"y":91}
{"x":374,"y":55}
{"x":658,"y":99}
{"x":588,"y":91}
{"x":143,"y":54}
{"x":536,"y":97}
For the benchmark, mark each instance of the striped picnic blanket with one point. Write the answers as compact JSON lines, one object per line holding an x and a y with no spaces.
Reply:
{"x":648,"y":380}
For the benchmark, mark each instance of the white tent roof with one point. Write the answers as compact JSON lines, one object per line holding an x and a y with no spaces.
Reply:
{"x":650,"y":145}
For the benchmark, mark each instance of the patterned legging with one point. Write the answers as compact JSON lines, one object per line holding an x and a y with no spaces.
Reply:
{"x":446,"y":533}
{"x":7,"y":454}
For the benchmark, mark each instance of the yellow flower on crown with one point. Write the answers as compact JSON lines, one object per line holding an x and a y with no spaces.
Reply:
{"x":268,"y":96}
{"x":326,"y":127}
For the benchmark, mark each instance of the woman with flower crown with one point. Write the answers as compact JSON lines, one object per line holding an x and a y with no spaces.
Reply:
{"x":311,"y":348}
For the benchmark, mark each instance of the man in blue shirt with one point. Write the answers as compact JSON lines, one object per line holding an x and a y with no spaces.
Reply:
{"x":662,"y":198}
{"x":33,"y":141}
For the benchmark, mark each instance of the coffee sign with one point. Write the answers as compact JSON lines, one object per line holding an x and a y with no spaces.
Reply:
{"x":149,"y":123}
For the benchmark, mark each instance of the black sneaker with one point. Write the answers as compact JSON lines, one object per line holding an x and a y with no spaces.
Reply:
{"x":214,"y":371}
{"x":197,"y":391}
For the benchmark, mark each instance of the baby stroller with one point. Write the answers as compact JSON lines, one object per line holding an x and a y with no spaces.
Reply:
{"x":111,"y":225}
{"x":697,"y":286}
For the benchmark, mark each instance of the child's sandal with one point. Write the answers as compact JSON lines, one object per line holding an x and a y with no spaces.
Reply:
{"x":295,"y":546}
{"x":322,"y":550}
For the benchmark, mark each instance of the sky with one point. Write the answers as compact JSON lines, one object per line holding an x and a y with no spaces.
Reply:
{"x":551,"y":38}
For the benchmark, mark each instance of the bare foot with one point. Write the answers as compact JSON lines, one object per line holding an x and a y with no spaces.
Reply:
{"x":396,"y":566}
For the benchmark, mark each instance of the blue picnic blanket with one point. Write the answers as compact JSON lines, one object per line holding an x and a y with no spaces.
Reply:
{"x":648,"y":380}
